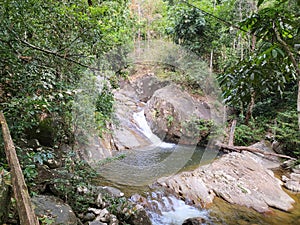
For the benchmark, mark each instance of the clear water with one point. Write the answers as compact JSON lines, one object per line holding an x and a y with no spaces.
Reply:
{"x":142,"y":167}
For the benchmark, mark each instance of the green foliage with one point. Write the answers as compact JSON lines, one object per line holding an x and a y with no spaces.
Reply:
{"x":189,"y":27}
{"x":286,"y":131}
{"x":248,"y":134}
{"x":46,"y":220}
{"x":170,"y":120}
{"x":196,"y":126}
{"x":28,"y":165}
{"x":45,"y":47}
{"x":268,"y":69}
{"x":77,"y":175}
{"x":120,"y":207}
{"x":5,"y":176}
{"x":104,"y":102}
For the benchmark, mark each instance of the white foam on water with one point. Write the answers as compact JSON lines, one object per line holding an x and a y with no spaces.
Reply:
{"x":142,"y":123}
{"x":174,"y":211}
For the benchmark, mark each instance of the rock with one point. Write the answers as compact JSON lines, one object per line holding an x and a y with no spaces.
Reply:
{"x":269,"y":162}
{"x":5,"y":195}
{"x":113,"y":220}
{"x":288,"y":164}
{"x":45,"y":175}
{"x":104,"y":216}
{"x":82,"y":190}
{"x":95,"y":148}
{"x":53,"y":163}
{"x":99,"y":200}
{"x":235,"y":177}
{"x":146,"y":86}
{"x":139,"y":217}
{"x":89,"y":217}
{"x":111,"y":191}
{"x":194,"y":221}
{"x":96,"y":223}
{"x":174,"y":115}
{"x":292,"y":182}
{"x":127,"y":134}
{"x":95,"y":211}
{"x":53,"y":207}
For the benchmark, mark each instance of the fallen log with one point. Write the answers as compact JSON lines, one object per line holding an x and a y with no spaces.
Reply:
{"x":24,"y":207}
{"x":251,"y":149}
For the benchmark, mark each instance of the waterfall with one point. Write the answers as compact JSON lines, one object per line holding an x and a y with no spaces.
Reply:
{"x":168,"y":210}
{"x":142,"y":123}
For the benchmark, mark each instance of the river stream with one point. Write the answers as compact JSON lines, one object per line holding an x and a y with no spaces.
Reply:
{"x":136,"y":173}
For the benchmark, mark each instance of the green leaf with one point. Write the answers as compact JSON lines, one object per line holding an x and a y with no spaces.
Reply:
{"x":260,"y":2}
{"x":274,"y":53}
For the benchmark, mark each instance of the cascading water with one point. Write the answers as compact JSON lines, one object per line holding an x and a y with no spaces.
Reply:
{"x":141,"y":121}
{"x":165,"y":210}
{"x":168,"y":210}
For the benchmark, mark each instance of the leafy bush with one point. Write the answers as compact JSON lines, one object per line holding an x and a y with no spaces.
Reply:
{"x":246,"y":135}
{"x":75,"y":175}
{"x":286,"y":131}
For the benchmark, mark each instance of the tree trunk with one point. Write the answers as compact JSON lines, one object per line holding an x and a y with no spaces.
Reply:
{"x":231,"y":135}
{"x":250,"y":108}
{"x":25,"y":209}
{"x":298,"y":104}
{"x":253,"y":150}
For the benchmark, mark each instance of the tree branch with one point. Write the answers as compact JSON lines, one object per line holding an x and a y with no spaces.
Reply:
{"x":56,"y":54}
{"x":252,"y":149}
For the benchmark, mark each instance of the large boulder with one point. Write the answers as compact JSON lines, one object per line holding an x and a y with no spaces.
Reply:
{"x":54,"y":208}
{"x":126,"y":133}
{"x":175,"y":116}
{"x":237,"y":178}
{"x":145,"y":86}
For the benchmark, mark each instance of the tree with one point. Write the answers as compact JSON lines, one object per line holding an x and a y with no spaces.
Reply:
{"x":46,"y":46}
{"x":276,"y":28}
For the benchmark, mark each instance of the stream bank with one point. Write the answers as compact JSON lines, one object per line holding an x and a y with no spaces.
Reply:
{"x":244,"y":181}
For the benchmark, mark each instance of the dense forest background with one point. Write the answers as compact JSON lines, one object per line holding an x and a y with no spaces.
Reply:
{"x":251,"y":46}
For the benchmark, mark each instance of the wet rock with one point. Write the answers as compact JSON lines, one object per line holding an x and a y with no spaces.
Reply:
{"x":292,"y":182}
{"x":194,"y":221}
{"x":126,"y":134}
{"x":55,"y":208}
{"x":172,"y":115}
{"x":139,"y":217}
{"x":136,"y":198}
{"x":235,"y":177}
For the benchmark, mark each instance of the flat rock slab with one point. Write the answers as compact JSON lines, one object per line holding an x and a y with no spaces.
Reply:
{"x":237,"y":178}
